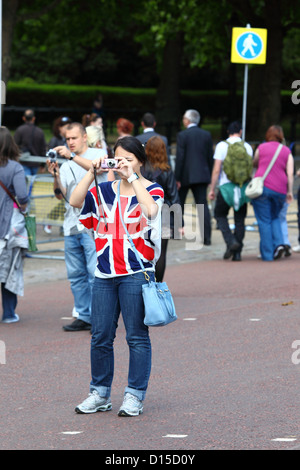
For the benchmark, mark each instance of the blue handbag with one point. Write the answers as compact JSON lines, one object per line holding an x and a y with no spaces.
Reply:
{"x":158,"y":300}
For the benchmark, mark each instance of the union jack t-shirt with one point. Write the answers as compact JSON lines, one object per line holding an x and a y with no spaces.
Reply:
{"x":115,"y":256}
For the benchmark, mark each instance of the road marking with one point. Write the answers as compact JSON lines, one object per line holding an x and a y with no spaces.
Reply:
{"x":189,"y":319}
{"x":176,"y":436}
{"x":72,"y":432}
{"x":284,"y":439}
{"x":255,"y":319}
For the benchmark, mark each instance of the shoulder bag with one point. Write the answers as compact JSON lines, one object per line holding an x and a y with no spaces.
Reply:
{"x":255,"y":188}
{"x":30,"y":222}
{"x":158,"y":301}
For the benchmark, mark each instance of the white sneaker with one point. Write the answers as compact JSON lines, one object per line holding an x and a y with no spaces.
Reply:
{"x":14,"y":319}
{"x":94,"y":403}
{"x":131,"y":406}
{"x":296,"y":249}
{"x":47,"y":229}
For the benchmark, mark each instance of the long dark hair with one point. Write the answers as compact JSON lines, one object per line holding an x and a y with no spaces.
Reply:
{"x":8,"y":148}
{"x":132,"y":145}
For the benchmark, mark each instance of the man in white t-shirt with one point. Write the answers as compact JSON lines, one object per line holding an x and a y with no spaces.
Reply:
{"x":233,"y":240}
{"x":80,"y":253}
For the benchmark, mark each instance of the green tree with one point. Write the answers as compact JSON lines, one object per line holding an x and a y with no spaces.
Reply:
{"x":182,"y":34}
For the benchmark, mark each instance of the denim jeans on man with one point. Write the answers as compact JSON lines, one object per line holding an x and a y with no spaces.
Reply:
{"x":9,"y":303}
{"x":267,"y":208}
{"x":110,"y":296}
{"x":81,"y":260}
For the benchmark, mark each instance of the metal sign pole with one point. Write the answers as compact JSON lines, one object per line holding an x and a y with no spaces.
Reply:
{"x":245,"y":102}
{"x":2,"y":90}
{"x":245,"y":98}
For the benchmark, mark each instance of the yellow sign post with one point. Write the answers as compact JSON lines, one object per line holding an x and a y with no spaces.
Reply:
{"x":248,"y":46}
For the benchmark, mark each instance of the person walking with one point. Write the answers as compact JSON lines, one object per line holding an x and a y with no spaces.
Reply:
{"x":118,"y":277}
{"x":193,"y":167}
{"x":30,"y":138}
{"x":148,"y":124}
{"x":158,"y":169}
{"x":231,"y":194}
{"x":13,"y":243}
{"x":278,"y":188}
{"x":80,"y":255}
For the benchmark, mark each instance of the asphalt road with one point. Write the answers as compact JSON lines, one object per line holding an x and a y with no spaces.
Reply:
{"x":225,"y":375}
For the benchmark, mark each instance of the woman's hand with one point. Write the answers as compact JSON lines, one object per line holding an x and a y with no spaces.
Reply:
{"x":124,"y":167}
{"x":96,"y":165}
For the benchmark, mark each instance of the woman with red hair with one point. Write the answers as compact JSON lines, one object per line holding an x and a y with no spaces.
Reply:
{"x":278,"y":189}
{"x":157,"y":169}
{"x":124,"y":127}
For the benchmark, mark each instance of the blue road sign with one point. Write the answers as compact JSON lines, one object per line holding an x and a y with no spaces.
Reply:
{"x":249,"y":45}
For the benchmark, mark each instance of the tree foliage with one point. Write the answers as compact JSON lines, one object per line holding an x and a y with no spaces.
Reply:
{"x":161,"y":43}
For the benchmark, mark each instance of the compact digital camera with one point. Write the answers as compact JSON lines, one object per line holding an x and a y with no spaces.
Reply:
{"x":109,"y":163}
{"x":52,"y":155}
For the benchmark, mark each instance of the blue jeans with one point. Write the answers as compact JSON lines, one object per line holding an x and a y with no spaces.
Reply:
{"x":81,"y":260}
{"x":30,"y":170}
{"x":284,"y":225}
{"x":9,"y":303}
{"x":110,"y":296}
{"x":267,"y":208}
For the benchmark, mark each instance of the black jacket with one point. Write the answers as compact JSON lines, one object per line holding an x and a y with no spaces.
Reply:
{"x":166,"y":179}
{"x":194,"y":156}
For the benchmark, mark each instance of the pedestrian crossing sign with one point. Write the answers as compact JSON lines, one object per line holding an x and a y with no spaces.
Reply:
{"x":249,"y":45}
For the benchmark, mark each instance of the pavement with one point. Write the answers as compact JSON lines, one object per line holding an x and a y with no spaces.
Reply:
{"x":225,"y":375}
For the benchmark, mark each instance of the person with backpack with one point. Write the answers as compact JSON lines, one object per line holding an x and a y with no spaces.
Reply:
{"x":232,"y":170}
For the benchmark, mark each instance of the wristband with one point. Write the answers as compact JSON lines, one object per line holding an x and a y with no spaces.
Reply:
{"x":133,"y":177}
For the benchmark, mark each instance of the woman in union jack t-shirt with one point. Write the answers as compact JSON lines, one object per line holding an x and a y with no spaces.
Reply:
{"x":118,"y":275}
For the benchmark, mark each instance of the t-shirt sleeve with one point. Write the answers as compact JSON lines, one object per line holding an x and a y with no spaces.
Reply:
{"x":220,"y":151}
{"x":88,"y":215}
{"x":154,"y":225}
{"x":157,"y":194}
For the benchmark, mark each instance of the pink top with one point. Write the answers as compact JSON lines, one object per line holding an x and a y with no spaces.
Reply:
{"x":277,"y":178}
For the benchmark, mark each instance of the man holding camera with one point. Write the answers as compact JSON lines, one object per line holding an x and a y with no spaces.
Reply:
{"x":80,"y":254}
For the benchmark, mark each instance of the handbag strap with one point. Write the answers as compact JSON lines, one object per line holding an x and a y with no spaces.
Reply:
{"x":272,"y":161}
{"x":129,"y":237}
{"x":10,"y":194}
{"x":13,"y":197}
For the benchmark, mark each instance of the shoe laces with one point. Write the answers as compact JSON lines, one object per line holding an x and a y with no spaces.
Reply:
{"x":93,"y":396}
{"x":131,"y":400}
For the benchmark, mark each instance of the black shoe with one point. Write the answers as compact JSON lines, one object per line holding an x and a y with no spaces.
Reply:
{"x":233,"y":248}
{"x":207,"y":242}
{"x":77,"y":325}
{"x":236,"y":256}
{"x":228,"y":254}
{"x":278,"y":252}
{"x":287,"y":250}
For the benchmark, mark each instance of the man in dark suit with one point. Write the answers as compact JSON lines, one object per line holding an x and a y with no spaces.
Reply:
{"x":148,"y":124}
{"x":194,"y":161}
